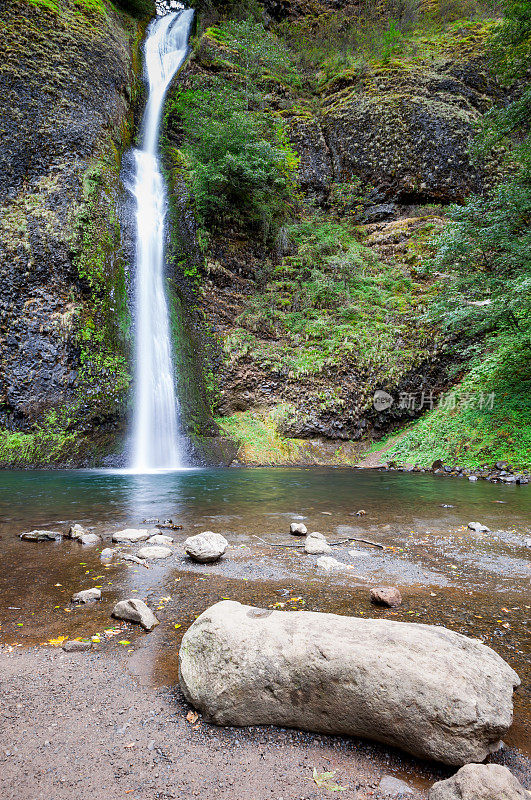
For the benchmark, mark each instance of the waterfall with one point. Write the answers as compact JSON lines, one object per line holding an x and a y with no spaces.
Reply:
{"x":157,"y":440}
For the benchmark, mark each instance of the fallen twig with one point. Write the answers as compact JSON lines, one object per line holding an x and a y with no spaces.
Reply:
{"x":340,"y":541}
{"x":367,"y":541}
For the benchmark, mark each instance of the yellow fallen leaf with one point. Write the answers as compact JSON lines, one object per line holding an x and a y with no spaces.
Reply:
{"x":124,"y":641}
{"x":192,"y":717}
{"x":177,"y":625}
{"x":57,"y":642}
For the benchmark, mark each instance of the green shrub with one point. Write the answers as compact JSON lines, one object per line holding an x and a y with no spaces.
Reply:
{"x":240,"y":162}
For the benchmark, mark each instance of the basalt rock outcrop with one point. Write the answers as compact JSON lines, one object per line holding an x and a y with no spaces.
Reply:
{"x":67,"y":83}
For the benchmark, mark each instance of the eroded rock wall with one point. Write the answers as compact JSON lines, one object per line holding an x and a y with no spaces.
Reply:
{"x":67,"y":78}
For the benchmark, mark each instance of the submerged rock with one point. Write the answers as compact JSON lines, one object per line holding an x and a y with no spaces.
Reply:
{"x":107,"y":552}
{"x":433,"y":692}
{"x":298,"y":529}
{"x":315,"y":544}
{"x":390,"y":786}
{"x":87,"y":596}
{"x":160,"y":538}
{"x":41,"y":536}
{"x":154,"y":552}
{"x":479,"y":782}
{"x":131,"y":535}
{"x":205,"y":547}
{"x":386,"y":596}
{"x":135,"y":610}
{"x":134,"y":559}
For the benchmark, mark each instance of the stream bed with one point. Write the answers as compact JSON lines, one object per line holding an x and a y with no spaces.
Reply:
{"x":476,"y":584}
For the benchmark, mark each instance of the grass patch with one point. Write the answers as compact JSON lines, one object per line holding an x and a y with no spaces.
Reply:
{"x":260,"y":442}
{"x":485,"y":417}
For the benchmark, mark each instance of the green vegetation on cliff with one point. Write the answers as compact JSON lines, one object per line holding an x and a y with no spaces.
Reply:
{"x":484,"y":294}
{"x":333,"y":304}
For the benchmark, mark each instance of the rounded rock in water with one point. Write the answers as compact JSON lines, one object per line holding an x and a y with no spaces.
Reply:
{"x":206,"y":547}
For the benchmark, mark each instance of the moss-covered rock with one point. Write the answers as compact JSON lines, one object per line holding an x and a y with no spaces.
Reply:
{"x":68,"y":75}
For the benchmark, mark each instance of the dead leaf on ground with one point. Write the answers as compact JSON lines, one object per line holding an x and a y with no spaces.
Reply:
{"x":192,"y":717}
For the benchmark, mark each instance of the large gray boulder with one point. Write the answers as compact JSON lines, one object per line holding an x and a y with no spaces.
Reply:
{"x":480,"y":782}
{"x":432,"y":692}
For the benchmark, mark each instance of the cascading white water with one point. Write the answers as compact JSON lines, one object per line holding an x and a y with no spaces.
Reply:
{"x":156,"y":429}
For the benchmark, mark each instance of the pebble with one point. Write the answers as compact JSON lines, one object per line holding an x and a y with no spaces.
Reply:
{"x":298,"y":529}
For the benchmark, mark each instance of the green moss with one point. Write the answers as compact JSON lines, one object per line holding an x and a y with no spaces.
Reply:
{"x":259,"y":439}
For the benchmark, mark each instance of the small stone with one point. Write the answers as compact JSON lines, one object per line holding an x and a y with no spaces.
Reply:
{"x":386,"y":596}
{"x":298,"y":529}
{"x":41,"y":536}
{"x":479,"y":782}
{"x":76,"y":531}
{"x":393,"y":787}
{"x":473,"y":478}
{"x":160,"y":538}
{"x":75,"y":646}
{"x":107,"y":552}
{"x":134,"y":559}
{"x":205,"y":547}
{"x":135,"y":610}
{"x":361,"y":512}
{"x":131,"y":535}
{"x":328,"y":564}
{"x":446,"y":505}
{"x":153,"y":553}
{"x":478,"y":527}
{"x":316,"y":544}
{"x":87,"y":596}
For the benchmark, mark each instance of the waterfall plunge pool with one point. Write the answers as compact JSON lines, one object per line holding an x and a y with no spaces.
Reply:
{"x":476,"y":584}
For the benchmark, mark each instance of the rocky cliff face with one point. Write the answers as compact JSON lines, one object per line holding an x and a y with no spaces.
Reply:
{"x":383,"y":147}
{"x":66,"y":83}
